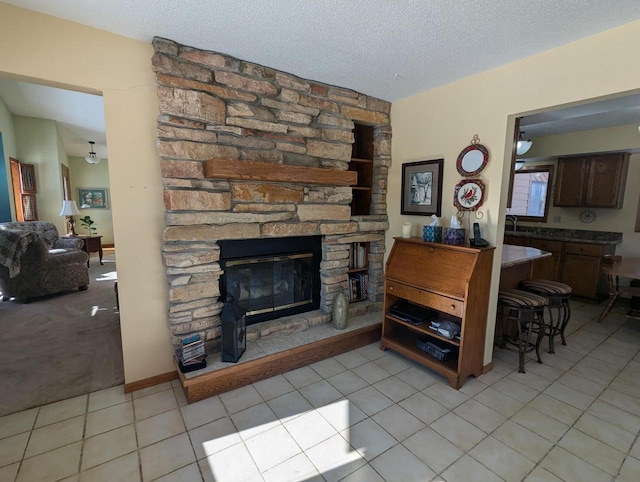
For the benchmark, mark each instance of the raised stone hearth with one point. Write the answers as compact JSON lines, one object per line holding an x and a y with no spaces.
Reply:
{"x":250,"y":152}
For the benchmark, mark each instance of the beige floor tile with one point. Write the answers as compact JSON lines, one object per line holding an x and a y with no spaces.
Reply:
{"x":272,"y":447}
{"x":298,"y":468}
{"x":216,"y":467}
{"x":347,"y":382}
{"x":621,"y":400}
{"x":108,"y":397}
{"x":605,"y":432}
{"x":491,"y":377}
{"x":423,"y":407}
{"x":371,"y":373}
{"x":517,"y":388}
{"x":351,"y":359}
{"x":544,"y":370}
{"x":151,"y":390}
{"x":599,"y":365}
{"x":289,"y":406}
{"x":366,"y":473}
{"x":393,"y":363}
{"x":369,"y":438}
{"x":568,"y":395}
{"x":55,"y":435}
{"x":17,"y":422}
{"x":457,"y":430}
{"x":399,"y":463}
{"x":164,"y":457}
{"x":419,"y":377}
{"x":55,"y":412}
{"x":433,"y":449}
{"x":54,"y":465}
{"x":540,"y":423}
{"x":394,"y":388}
{"x":554,"y":408}
{"x":240,"y":399}
{"x":540,"y":474}
{"x":108,"y":446}
{"x":106,"y":419}
{"x":398,"y":422}
{"x":630,"y":387}
{"x":8,"y":472}
{"x":480,"y":415}
{"x":463,"y":468}
{"x":581,"y":384}
{"x":180,"y":397}
{"x":472,"y":387}
{"x":501,"y":459}
{"x":445,"y":395}
{"x":341,"y":414}
{"x":309,"y":429}
{"x":154,"y":404}
{"x":591,"y":373}
{"x":499,"y":402}
{"x":371,"y":351}
{"x":12,"y":448}
{"x":202,"y":412}
{"x":369,"y":400}
{"x":592,"y":450}
{"x":335,"y":458}
{"x":213,"y":437}
{"x":302,"y":377}
{"x":567,"y":466}
{"x":615,"y":415}
{"x":629,"y":471}
{"x":320,"y":393}
{"x":254,"y":420}
{"x":527,"y":443}
{"x":190,"y":473}
{"x":159,"y":427}
{"x":122,"y":469}
{"x":635,"y":450}
{"x":273,"y":387}
{"x":328,"y":367}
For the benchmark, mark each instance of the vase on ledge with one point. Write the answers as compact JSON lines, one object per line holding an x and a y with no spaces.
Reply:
{"x":340,"y":311}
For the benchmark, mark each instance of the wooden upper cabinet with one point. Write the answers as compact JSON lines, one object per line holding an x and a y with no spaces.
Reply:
{"x":591,"y":181}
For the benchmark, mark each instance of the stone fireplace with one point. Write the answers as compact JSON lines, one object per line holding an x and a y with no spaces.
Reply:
{"x":252,"y":153}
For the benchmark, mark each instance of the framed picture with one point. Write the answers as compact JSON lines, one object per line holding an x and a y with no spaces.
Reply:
{"x":92,"y":198}
{"x":422,"y":187}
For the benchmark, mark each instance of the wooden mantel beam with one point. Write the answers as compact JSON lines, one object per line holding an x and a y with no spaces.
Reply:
{"x":265,"y":171}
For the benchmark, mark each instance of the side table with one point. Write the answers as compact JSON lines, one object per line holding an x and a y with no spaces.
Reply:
{"x":92,"y":244}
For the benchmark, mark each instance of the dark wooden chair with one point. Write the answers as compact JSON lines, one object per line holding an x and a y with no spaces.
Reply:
{"x":609,"y":264}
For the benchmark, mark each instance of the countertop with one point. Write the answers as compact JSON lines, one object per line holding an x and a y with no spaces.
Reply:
{"x":571,"y":235}
{"x":514,"y":255}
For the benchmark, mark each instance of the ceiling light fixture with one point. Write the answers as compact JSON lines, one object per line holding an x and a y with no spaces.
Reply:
{"x":523,"y":146}
{"x":92,"y":158}
{"x":519,"y":164}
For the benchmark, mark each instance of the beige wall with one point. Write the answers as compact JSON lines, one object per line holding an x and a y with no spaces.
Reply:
{"x":9,"y":146}
{"x":121,"y":71}
{"x":441,"y":122}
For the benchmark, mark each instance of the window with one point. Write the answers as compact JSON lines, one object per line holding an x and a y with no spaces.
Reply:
{"x":530,"y":193}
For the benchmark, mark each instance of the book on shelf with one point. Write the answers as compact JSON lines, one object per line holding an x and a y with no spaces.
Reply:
{"x":358,"y":286}
{"x":357,"y":256}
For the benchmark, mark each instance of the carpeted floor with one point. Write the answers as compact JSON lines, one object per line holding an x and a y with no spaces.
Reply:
{"x":62,"y":345}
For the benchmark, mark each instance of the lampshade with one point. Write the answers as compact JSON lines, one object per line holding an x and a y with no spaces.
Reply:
{"x":519,"y":164}
{"x":523,"y":146}
{"x":92,"y":157}
{"x":69,"y":208}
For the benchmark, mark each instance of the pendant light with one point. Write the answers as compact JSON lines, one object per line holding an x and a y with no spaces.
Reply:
{"x":523,"y":146}
{"x":92,"y":158}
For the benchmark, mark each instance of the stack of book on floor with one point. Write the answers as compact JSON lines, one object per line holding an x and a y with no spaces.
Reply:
{"x":191,"y":355}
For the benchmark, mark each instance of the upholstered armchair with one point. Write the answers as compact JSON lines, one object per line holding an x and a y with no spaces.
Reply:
{"x":35,"y":261}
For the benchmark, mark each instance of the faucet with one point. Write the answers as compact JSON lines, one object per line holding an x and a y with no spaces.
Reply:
{"x":514,"y":221}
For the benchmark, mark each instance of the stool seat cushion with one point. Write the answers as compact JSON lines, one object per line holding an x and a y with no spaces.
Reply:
{"x":545,"y":287}
{"x":519,"y":298}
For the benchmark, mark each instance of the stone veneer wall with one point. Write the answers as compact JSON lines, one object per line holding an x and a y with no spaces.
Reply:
{"x":216,"y":106}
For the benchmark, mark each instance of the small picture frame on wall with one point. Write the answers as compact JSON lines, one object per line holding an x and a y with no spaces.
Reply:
{"x":92,"y":198}
{"x":422,"y":187}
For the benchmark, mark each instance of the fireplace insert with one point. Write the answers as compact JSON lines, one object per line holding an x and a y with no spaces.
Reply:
{"x":273,"y":277}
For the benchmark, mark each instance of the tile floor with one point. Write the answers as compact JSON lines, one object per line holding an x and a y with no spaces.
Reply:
{"x":365,"y":415}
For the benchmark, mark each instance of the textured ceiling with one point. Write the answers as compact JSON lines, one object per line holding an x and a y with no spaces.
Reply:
{"x":389,"y":49}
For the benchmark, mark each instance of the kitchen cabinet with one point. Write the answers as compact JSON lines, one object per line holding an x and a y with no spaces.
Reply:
{"x":593,"y":180}
{"x":547,"y":268}
{"x":452,"y":280}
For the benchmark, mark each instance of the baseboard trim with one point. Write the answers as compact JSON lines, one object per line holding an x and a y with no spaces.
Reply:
{"x":487,"y":368}
{"x":150,"y":382}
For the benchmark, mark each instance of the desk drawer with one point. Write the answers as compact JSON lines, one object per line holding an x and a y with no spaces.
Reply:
{"x":546,"y":245}
{"x":437,"y":302}
{"x":584,"y":249}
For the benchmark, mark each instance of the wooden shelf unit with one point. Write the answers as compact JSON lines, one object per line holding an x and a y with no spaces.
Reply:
{"x":355,"y":272}
{"x":454,"y":281}
{"x":362,"y":164}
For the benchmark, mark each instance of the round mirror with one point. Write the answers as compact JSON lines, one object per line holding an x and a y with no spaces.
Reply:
{"x":472,"y":160}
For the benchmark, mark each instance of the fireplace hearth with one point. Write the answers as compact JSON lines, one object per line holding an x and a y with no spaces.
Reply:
{"x":272,"y":278}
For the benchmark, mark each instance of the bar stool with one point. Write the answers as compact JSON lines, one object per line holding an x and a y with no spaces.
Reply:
{"x":526,"y":311}
{"x":557,"y":296}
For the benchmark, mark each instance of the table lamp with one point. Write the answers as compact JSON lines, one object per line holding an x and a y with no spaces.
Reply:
{"x":69,"y":209}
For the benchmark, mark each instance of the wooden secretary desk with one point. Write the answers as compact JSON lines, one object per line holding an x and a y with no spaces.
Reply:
{"x":452,"y":280}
